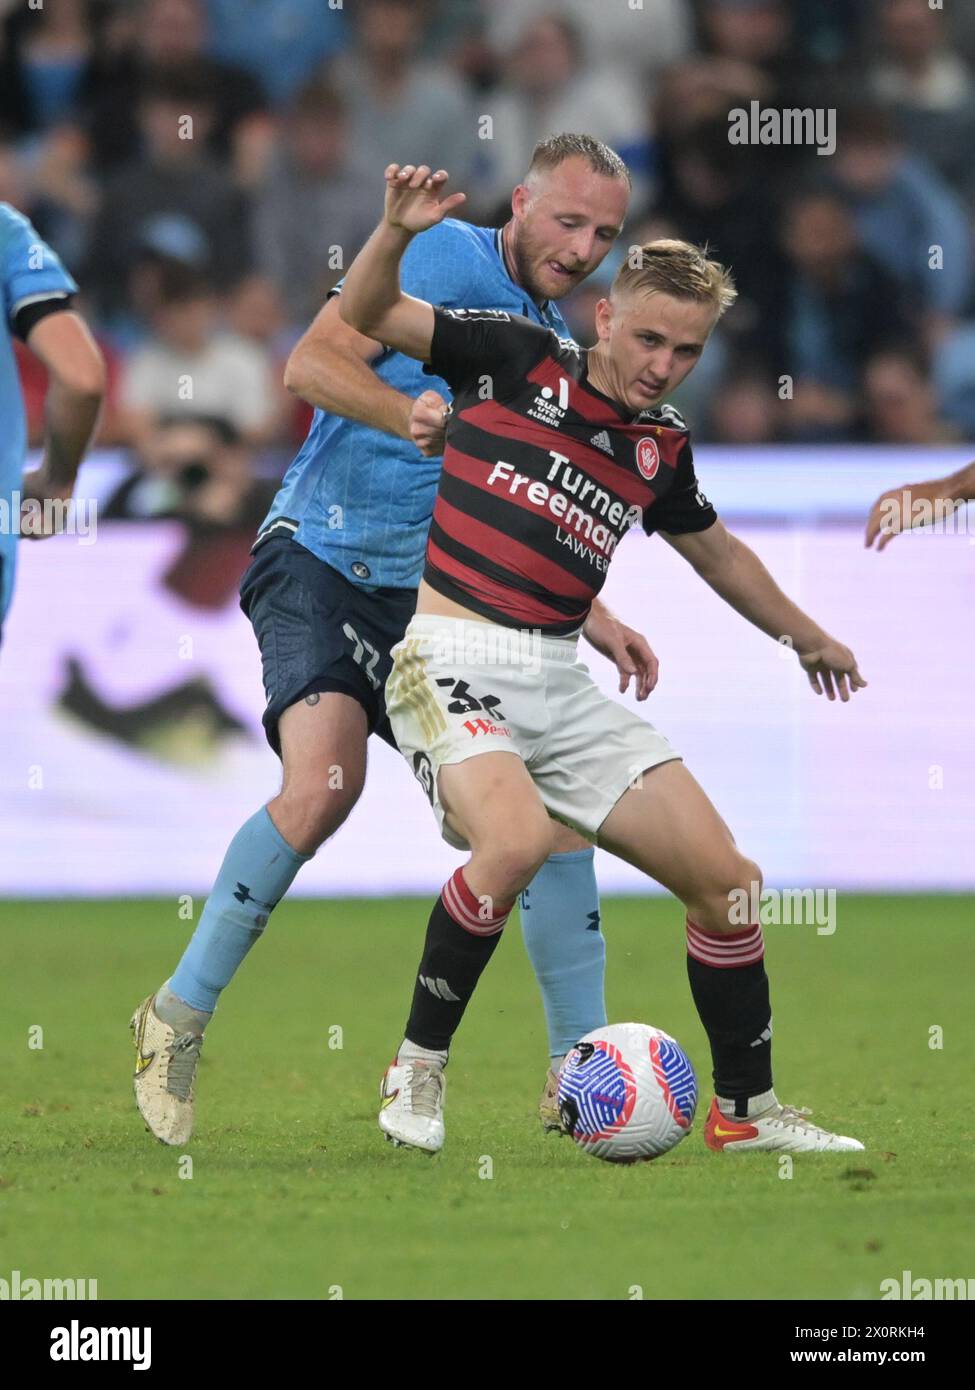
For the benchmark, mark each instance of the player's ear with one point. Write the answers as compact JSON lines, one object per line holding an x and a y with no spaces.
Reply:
{"x":520,"y":199}
{"x":604,"y":318}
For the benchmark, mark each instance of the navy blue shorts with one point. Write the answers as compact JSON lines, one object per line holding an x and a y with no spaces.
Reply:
{"x":318,"y":632}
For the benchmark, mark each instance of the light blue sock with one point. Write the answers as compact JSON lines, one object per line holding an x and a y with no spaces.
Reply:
{"x":258,"y":869}
{"x":560,"y":924}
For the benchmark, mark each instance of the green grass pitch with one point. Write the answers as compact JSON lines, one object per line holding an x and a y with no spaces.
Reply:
{"x":295,"y":1194}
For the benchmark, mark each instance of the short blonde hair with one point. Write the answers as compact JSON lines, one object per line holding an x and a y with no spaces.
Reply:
{"x":677,"y":268}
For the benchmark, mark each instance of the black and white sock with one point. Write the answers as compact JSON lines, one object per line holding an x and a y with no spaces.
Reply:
{"x":727,"y":975}
{"x":461,"y":937}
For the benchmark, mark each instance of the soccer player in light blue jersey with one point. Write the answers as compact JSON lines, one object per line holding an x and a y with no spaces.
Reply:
{"x":37,"y":308}
{"x":332,"y":586}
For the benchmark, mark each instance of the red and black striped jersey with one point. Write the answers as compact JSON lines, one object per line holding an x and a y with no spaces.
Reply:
{"x":543,"y":474}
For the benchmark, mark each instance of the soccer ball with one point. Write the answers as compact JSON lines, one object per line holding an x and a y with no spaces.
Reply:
{"x":627,"y":1092}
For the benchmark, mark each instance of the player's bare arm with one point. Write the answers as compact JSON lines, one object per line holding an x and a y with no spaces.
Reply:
{"x":734,"y":571}
{"x":76,"y":372}
{"x":628,"y":649}
{"x":372,"y":301}
{"x":918,"y":504}
{"x":330,"y":367}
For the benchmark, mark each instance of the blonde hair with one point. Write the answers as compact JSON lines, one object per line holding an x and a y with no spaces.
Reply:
{"x":676,"y":268}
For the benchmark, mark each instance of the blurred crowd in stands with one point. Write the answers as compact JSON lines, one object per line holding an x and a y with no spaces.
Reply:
{"x":207,"y":169}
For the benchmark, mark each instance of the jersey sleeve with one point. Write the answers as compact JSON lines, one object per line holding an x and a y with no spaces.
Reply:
{"x":471,"y":344}
{"x":442,"y":266}
{"x":32,"y":273}
{"x":684,"y":508}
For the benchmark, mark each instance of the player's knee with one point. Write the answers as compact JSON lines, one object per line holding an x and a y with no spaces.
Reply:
{"x":733,"y":886}
{"x":516,"y":857}
{"x":310,"y":813}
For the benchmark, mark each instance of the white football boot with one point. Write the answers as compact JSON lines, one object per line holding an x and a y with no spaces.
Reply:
{"x":776,"y":1129}
{"x":548,"y":1104}
{"x":412,"y":1101}
{"x":165,"y":1074}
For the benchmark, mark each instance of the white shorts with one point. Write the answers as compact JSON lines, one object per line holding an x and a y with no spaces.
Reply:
{"x":459,"y":687}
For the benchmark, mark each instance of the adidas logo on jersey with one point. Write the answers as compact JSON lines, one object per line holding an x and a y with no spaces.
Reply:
{"x":438,"y":988}
{"x":603,"y":441}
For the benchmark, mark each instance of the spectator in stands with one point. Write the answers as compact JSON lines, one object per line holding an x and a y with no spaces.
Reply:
{"x":930,"y":88}
{"x":280,"y":42}
{"x":640,"y":43}
{"x":757,"y":33}
{"x":902,"y":209}
{"x":174,"y":178}
{"x":313,"y":211}
{"x":44,"y":56}
{"x":168,"y":36}
{"x":193,"y":468}
{"x":191,"y":366}
{"x":400,"y":107}
{"x":837,"y":307}
{"x":900,"y":403}
{"x":550,"y":85}
{"x":745,"y":408}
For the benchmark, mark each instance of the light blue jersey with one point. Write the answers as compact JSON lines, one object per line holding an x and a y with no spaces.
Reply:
{"x":30,"y":272}
{"x":359,"y":499}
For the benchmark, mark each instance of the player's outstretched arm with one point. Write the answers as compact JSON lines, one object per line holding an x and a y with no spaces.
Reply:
{"x":918,"y":504}
{"x":76,"y":387}
{"x":735,"y":572}
{"x":372,"y":301}
{"x":627,"y":649}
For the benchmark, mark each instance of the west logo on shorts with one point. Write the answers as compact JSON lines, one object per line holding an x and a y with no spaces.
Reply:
{"x":484,"y":726}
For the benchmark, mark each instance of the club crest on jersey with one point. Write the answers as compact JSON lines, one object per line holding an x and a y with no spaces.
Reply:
{"x":647,"y":457}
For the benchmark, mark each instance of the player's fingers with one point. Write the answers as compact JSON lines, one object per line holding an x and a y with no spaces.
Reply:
{"x":827,"y":679}
{"x":856,"y":680}
{"x":813,"y":675}
{"x":420,"y":175}
{"x":651,"y":676}
{"x":885,"y":539}
{"x":842,"y":687}
{"x":454,"y":201}
{"x":391,"y":172}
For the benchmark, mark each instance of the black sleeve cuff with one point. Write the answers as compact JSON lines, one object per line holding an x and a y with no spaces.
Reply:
{"x":31,"y":314}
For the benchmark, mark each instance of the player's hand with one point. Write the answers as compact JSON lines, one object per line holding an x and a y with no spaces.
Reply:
{"x":36,"y":489}
{"x":901,"y":508}
{"x":428,"y":423}
{"x":413,"y":197}
{"x":832,"y":663}
{"x":627,"y":649}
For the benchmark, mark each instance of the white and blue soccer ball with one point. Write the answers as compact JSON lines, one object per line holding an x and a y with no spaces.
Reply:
{"x":627,"y":1092}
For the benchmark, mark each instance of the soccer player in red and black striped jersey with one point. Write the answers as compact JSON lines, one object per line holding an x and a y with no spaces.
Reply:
{"x":552,"y":454}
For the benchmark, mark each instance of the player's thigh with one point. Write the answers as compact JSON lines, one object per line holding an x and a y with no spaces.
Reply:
{"x":666,"y":826}
{"x":565,"y":840}
{"x":492,"y":803}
